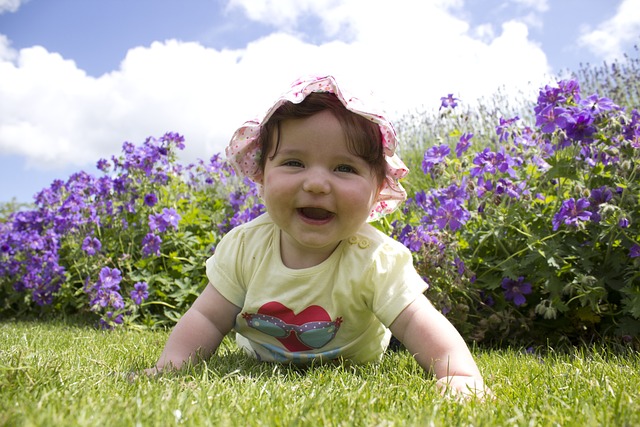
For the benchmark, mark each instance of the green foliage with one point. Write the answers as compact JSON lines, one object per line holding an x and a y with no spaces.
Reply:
{"x":7,"y":209}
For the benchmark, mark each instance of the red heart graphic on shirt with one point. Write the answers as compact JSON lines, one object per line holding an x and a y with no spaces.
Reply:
{"x":313,"y":313}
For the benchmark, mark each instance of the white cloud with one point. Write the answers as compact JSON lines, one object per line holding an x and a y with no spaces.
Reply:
{"x":609,"y":39}
{"x":536,"y":5}
{"x":53,"y":113}
{"x":409,"y":55}
{"x":6,"y":52}
{"x":10,"y":5}
{"x":280,"y":13}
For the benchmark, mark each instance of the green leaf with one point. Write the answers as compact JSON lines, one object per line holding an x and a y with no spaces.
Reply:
{"x":563,"y":168}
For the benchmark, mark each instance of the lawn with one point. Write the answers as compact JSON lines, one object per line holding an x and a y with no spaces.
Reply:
{"x":68,"y":373}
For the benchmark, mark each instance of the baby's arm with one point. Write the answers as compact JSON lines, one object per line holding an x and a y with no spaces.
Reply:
{"x":437,"y":346}
{"x":199,"y":332}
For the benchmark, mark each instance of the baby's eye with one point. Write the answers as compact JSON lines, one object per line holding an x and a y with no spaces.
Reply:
{"x":346,"y":169}
{"x":293,"y":163}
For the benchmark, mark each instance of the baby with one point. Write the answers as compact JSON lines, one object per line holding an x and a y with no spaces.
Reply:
{"x":311,"y":280}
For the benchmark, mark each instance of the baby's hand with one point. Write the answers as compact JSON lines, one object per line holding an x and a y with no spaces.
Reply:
{"x":464,"y":388}
{"x":149,"y":372}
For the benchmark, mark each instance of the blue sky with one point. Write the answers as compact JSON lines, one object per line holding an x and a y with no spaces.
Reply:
{"x":78,"y":78}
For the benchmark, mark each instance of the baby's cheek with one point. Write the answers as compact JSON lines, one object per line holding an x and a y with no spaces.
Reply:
{"x":360,"y":201}
{"x":272,"y":182}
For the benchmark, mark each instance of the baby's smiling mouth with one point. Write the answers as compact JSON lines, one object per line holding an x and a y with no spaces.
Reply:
{"x":317,"y":214}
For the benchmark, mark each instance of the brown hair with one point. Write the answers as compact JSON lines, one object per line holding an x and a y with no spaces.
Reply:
{"x":363,"y":136}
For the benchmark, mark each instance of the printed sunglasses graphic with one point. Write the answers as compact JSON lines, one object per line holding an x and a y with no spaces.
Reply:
{"x":312,"y":334}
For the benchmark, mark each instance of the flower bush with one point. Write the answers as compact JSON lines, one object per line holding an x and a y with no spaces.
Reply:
{"x":526,"y":232}
{"x":533,"y":235}
{"x":129,"y":245}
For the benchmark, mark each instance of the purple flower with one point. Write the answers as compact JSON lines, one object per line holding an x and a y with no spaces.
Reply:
{"x":409,"y":237}
{"x":631,"y":129}
{"x":170,"y":217}
{"x":162,"y":221}
{"x":421,"y":199}
{"x":139,"y":292}
{"x":484,"y":162}
{"x":110,"y":278}
{"x":173,"y":138}
{"x":549,"y":96}
{"x":597,"y":105}
{"x":155,"y":222}
{"x":488,"y":162}
{"x":237,"y":199}
{"x":570,"y":89}
{"x":463,"y":144}
{"x":101,"y":299}
{"x":103,"y":165}
{"x":452,"y":192}
{"x":483,"y":187}
{"x":503,"y":127}
{"x":246,"y":215}
{"x":104,"y":186}
{"x":571,"y":213}
{"x":551,"y":117}
{"x":515,"y":290}
{"x":459,"y":264}
{"x":451,"y":215}
{"x":106,"y":297}
{"x":581,"y":127}
{"x":416,"y":238}
{"x":128,"y":147}
{"x":448,"y":101}
{"x":633,"y":138}
{"x":434,"y":156}
{"x":151,"y":245}
{"x":161,"y":178}
{"x":505,"y":162}
{"x":91,"y":245}
{"x":150,"y":200}
{"x":106,"y":290}
{"x":506,"y":186}
{"x":525,"y":137}
{"x":600,"y":195}
{"x":634,"y":252}
{"x":109,"y":320}
{"x":486,"y":299}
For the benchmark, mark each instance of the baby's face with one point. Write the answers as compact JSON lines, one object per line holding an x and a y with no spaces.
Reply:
{"x":315,"y":190}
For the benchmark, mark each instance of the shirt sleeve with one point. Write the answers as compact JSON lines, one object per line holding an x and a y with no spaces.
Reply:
{"x":395,"y":281}
{"x":224,"y":268}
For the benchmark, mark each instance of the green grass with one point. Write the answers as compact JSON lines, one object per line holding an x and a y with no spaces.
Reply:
{"x":63,"y":373}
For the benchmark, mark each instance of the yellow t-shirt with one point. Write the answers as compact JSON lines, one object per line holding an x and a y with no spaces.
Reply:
{"x":340,"y":308}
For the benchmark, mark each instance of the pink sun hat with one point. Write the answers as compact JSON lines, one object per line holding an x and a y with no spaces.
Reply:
{"x":243,"y":151}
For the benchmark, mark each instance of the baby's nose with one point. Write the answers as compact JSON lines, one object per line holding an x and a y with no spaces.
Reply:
{"x":316,"y":181}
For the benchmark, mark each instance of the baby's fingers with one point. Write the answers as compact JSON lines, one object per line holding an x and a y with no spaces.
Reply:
{"x":464,"y":388}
